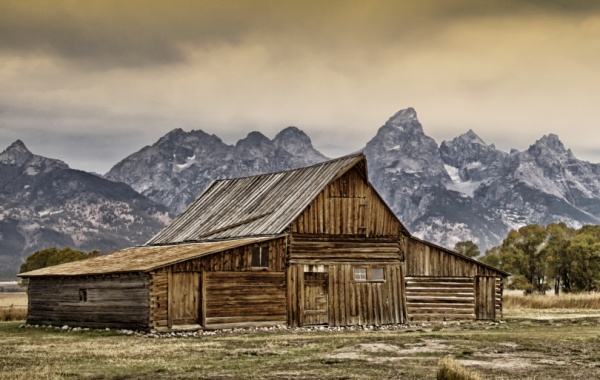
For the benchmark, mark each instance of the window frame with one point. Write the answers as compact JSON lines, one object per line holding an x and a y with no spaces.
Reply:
{"x":360,"y":279}
{"x":263,"y":257}
{"x":368,"y":274}
{"x":382,"y":279}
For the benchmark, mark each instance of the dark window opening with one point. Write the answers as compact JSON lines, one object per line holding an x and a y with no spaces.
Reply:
{"x":260,"y":257}
{"x":83,"y":295}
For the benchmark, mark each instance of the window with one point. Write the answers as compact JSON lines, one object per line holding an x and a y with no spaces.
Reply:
{"x":260,"y":257}
{"x":377,"y":274}
{"x":369,"y":274}
{"x":360,"y":274}
{"x":82,"y":295}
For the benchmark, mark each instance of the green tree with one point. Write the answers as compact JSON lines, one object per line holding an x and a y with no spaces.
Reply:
{"x":54,"y":256}
{"x":492,"y":257}
{"x":467,"y":248}
{"x":584,"y":255}
{"x":522,"y":253}
{"x":555,"y":252}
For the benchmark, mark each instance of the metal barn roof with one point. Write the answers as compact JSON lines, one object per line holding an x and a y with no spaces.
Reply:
{"x":253,"y":206}
{"x":141,"y":259}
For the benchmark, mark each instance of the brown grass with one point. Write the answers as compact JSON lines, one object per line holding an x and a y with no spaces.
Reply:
{"x":13,"y":306}
{"x":449,"y":369}
{"x":585,"y":301}
{"x":516,"y":350}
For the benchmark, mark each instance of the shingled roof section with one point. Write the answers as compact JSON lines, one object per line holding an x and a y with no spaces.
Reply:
{"x":254,"y":206}
{"x":141,"y":259}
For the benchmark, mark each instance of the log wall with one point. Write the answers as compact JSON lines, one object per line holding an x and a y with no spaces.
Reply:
{"x":348,"y":206}
{"x":454,"y":298}
{"x":440,"y":298}
{"x":244,"y":299}
{"x":113,"y":301}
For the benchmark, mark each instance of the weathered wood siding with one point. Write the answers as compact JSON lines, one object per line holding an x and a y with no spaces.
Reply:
{"x":113,"y":301}
{"x":349,"y":302}
{"x":244,"y":299}
{"x":348,"y":206}
{"x":426,"y":260}
{"x":214,"y":308}
{"x":499,"y":294}
{"x":440,"y":298}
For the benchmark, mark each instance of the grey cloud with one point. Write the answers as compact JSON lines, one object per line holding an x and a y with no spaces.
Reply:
{"x":142,"y":33}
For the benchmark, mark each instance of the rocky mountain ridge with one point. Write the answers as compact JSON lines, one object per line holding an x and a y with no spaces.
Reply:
{"x":463,"y":189}
{"x":177,"y":168}
{"x":44,"y":203}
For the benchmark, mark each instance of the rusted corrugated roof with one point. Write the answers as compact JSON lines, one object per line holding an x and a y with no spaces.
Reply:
{"x":141,"y":259}
{"x":253,"y":206}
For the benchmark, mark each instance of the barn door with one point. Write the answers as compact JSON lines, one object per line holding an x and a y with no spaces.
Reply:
{"x":315,"y":298}
{"x":485,"y":298}
{"x":184,"y":294}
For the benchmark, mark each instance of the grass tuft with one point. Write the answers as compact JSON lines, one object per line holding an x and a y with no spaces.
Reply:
{"x":449,"y":369}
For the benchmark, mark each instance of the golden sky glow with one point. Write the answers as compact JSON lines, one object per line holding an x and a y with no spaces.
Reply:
{"x":90,"y":82}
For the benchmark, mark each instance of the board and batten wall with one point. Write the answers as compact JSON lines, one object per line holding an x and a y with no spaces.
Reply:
{"x":113,"y":301}
{"x":347,"y":206}
{"x":444,"y":286}
{"x":229,"y":291}
{"x":321,"y":288}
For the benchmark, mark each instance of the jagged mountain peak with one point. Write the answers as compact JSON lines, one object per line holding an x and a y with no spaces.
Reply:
{"x":16,"y":154}
{"x":405,"y":121}
{"x":472,"y":138}
{"x":296,"y":142}
{"x":549,"y":145}
{"x":253,"y":138}
{"x":551,"y":141}
{"x":291,"y":132}
{"x":17,"y":146}
{"x":178,"y":135}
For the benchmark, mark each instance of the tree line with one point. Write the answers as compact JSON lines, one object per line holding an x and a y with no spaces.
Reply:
{"x":543,"y":258}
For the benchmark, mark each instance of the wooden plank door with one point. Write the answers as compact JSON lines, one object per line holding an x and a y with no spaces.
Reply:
{"x":184,"y":297}
{"x":315,"y":298}
{"x":485,"y":298}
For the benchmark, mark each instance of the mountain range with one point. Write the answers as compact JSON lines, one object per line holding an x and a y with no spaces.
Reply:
{"x":464,"y":189}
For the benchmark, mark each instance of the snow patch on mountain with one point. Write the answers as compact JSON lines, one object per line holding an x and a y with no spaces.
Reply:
{"x":177,"y":168}
{"x":464,"y":187}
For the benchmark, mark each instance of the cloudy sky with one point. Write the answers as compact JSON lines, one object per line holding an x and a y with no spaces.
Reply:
{"x":90,"y":82}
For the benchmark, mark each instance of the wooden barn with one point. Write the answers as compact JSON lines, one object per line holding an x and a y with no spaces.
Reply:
{"x":311,"y":246}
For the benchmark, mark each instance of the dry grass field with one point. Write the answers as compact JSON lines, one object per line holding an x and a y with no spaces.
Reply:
{"x":525,"y":347}
{"x":13,"y":306}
